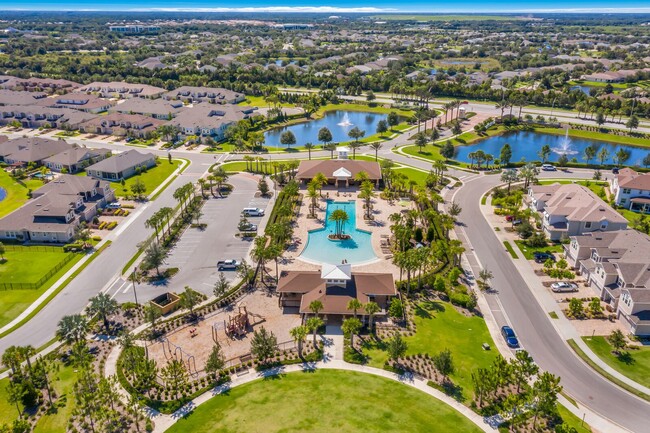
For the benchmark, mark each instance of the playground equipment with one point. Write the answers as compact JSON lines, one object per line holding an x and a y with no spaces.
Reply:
{"x":238,"y":323}
{"x":171,"y":350}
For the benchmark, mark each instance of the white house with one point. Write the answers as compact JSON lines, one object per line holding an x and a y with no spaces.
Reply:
{"x":631,"y":190}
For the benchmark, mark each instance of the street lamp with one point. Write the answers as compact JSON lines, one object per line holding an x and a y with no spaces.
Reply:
{"x":135,"y":270}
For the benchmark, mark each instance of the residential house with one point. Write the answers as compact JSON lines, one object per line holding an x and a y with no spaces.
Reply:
{"x":122,"y":166}
{"x":75,"y":159}
{"x":631,"y":190}
{"x":617,"y":266}
{"x":210,"y":120}
{"x":35,"y":116}
{"x":78,"y":101}
{"x":335,"y":286}
{"x":157,"y":108}
{"x":34,"y":150}
{"x":571,"y":210}
{"x":121,"y":90}
{"x":37,"y":84}
{"x":213,"y":95}
{"x":20,"y":97}
{"x":56,"y":209}
{"x":122,"y":124}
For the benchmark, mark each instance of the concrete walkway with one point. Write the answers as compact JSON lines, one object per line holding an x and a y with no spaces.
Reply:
{"x":563,"y":325}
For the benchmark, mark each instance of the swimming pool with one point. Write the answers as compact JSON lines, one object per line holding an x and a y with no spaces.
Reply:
{"x":357,"y":250}
{"x":3,"y":193}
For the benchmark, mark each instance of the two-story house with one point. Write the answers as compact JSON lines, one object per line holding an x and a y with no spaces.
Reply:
{"x":56,"y":209}
{"x":571,"y":210}
{"x":616,"y":265}
{"x":631,"y":190}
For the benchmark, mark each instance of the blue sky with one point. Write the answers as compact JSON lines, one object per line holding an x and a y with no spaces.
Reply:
{"x":332,"y":6}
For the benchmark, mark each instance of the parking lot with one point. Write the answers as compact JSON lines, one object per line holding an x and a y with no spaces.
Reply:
{"x":197,"y":252}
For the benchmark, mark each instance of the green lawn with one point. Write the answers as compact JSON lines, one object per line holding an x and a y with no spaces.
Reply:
{"x":599,"y":136}
{"x":152,"y":178}
{"x":635,"y":364}
{"x":8,"y":412}
{"x":440,"y":326}
{"x":419,"y":176}
{"x":572,"y":420}
{"x":56,"y":420}
{"x":529,"y":251}
{"x":28,"y":265}
{"x":20,"y":267}
{"x":323,"y":401}
{"x":16,"y":192}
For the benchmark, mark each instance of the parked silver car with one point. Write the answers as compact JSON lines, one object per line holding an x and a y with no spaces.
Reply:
{"x":564,"y":286}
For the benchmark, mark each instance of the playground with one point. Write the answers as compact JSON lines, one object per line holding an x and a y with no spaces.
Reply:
{"x":232,"y":327}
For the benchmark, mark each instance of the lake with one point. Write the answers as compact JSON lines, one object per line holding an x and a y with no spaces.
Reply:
{"x":339,"y":122}
{"x":527,"y":145}
{"x":584,"y":89}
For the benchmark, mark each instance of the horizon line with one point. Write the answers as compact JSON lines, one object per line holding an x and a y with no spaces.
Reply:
{"x":333,"y":9}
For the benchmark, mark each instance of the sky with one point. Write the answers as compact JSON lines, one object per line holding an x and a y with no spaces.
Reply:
{"x":335,"y":6}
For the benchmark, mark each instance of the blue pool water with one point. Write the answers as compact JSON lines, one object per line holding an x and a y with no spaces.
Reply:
{"x":339,"y":123}
{"x":322,"y":250}
{"x":3,"y":194}
{"x":526,"y":145}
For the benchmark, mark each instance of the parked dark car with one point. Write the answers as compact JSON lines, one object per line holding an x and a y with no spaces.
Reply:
{"x":543,"y":257}
{"x":509,"y":336}
{"x":615,"y":170}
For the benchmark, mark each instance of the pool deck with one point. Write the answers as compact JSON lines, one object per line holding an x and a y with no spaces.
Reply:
{"x":378,"y":227}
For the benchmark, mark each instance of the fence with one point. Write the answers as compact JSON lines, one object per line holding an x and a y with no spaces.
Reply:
{"x":36,"y":285}
{"x":33,"y":249}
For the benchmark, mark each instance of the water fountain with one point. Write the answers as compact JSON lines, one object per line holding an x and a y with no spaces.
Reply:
{"x":345,"y":121}
{"x":565,"y":146}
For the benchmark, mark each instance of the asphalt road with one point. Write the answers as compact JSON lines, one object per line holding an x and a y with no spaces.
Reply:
{"x":533,"y":325}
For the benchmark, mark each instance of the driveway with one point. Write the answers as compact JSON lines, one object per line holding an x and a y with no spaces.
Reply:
{"x":197,"y":252}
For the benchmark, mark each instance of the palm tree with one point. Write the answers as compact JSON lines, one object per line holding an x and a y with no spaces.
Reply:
{"x":11,"y":359}
{"x":152,"y":223}
{"x":371,"y":308}
{"x":340,"y":217}
{"x":367,"y":194}
{"x":313,"y":324}
{"x":72,"y":328}
{"x":351,"y":327}
{"x":103,"y":305}
{"x":376,"y":146}
{"x":312,"y":194}
{"x":354,"y":146}
{"x":354,"y":305}
{"x":316,"y":307}
{"x":309,"y":147}
{"x":299,"y":334}
{"x":320,"y":179}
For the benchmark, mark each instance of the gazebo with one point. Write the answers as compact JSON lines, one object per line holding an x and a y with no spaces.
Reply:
{"x":342,"y":174}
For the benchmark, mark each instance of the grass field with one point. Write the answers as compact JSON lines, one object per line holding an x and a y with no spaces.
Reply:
{"x":152,"y":178}
{"x":529,"y":251}
{"x":56,"y":420}
{"x":572,"y":420}
{"x":440,"y":326}
{"x":16,"y":192}
{"x":323,"y":401}
{"x":635,"y":363}
{"x":20,"y":268}
{"x":599,"y":136}
{"x":418,"y":176}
